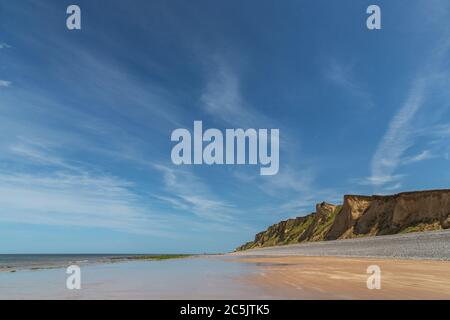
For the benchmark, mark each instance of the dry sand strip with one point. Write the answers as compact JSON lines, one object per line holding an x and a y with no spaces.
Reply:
{"x":413,"y":266}
{"x":346,"y":278}
{"x":433,"y":245}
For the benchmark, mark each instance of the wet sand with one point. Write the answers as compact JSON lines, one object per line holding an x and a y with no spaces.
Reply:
{"x":237,"y":277}
{"x":297,"y":277}
{"x":187,"y":278}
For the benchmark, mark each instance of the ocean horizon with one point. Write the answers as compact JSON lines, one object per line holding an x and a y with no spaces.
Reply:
{"x":35,"y":261}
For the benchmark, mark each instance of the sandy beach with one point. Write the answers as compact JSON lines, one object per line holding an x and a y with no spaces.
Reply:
{"x":345,"y":278}
{"x":237,"y":277}
{"x":412,"y":266}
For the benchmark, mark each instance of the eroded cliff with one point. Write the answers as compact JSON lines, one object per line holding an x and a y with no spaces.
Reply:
{"x":362,"y":216}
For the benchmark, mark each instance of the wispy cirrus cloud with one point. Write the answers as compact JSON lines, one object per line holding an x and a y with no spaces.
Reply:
{"x":5,"y":83}
{"x":344,"y":77}
{"x":4,"y":45}
{"x":441,"y":130}
{"x":398,"y":137}
{"x":424,"y":155}
{"x":377,"y":181}
{"x":68,"y":199}
{"x":186,"y":191}
{"x":37,"y":152}
{"x":64,"y":194}
{"x":222,"y":97}
{"x":403,"y":130}
{"x":290,"y":179}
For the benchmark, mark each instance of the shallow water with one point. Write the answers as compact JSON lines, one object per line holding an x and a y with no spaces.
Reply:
{"x":10,"y":262}
{"x":187,"y":278}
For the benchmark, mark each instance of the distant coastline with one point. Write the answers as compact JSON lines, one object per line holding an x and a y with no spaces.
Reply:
{"x":19,"y":262}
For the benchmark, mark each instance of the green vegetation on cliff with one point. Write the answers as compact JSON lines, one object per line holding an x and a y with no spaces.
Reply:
{"x":312,"y":227}
{"x":361,"y":216}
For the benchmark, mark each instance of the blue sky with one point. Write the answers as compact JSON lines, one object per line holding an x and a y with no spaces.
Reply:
{"x":86,"y":116}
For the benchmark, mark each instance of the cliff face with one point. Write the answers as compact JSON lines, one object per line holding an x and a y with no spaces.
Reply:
{"x":362,"y":216}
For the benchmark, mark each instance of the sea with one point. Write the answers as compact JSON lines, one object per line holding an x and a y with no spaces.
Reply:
{"x":17,"y":262}
{"x":117,"y":276}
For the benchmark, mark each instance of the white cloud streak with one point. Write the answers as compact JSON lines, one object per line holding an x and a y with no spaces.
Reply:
{"x":73,"y":200}
{"x":403,"y":132}
{"x":398,"y":137}
{"x":185,"y":191}
{"x":69,"y":195}
{"x":222,"y":98}
{"x":5,"y":83}
{"x":343,"y":76}
{"x":424,"y":155}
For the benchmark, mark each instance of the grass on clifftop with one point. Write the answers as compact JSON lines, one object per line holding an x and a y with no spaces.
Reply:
{"x":421,"y":227}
